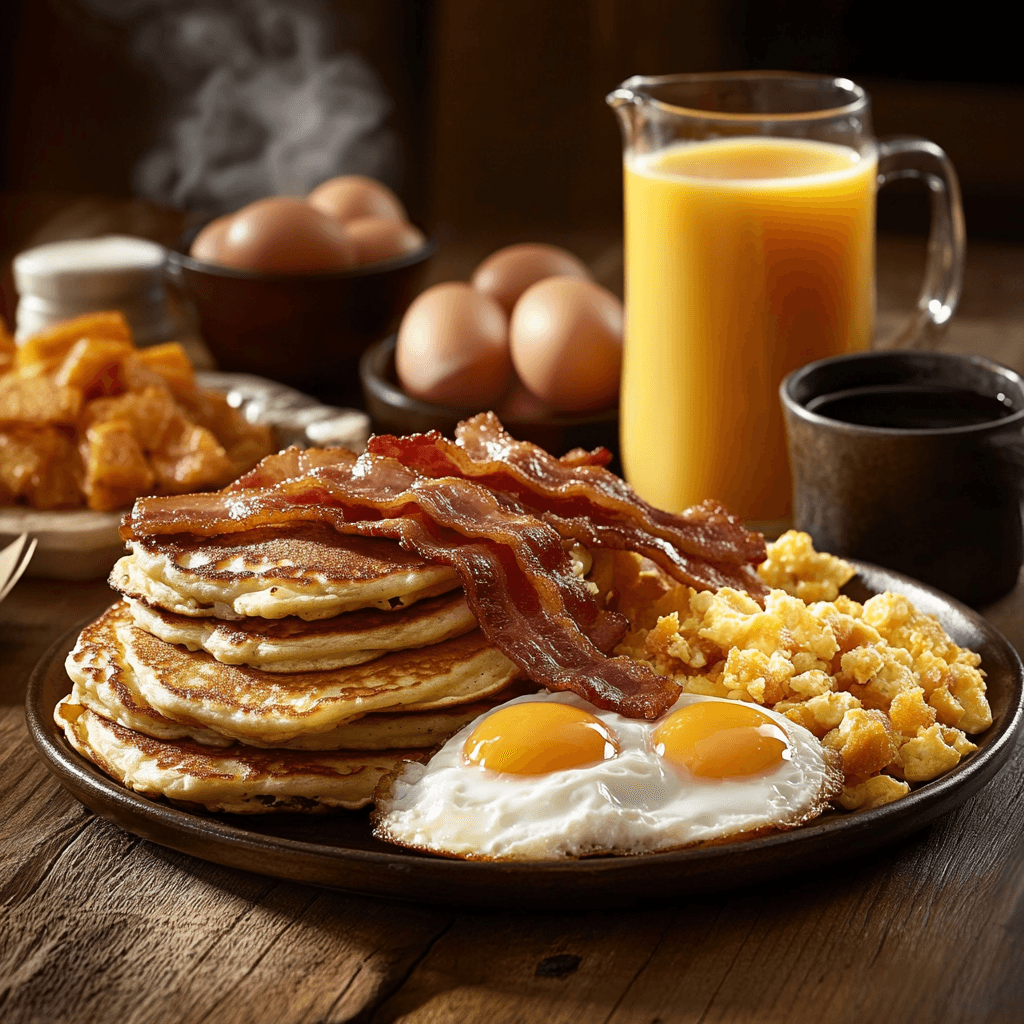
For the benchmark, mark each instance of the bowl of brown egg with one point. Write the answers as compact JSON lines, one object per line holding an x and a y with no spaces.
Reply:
{"x":296,"y":288}
{"x":531,"y":336}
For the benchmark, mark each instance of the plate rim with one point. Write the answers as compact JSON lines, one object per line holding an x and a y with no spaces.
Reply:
{"x":838,"y":837}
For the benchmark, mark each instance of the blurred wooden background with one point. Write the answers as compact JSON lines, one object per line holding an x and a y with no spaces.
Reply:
{"x":499,"y":107}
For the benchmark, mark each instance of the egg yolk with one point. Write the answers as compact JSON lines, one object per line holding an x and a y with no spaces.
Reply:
{"x":535,"y":737}
{"x":717,"y":740}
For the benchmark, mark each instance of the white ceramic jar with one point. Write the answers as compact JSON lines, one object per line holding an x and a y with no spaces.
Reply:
{"x":60,"y":280}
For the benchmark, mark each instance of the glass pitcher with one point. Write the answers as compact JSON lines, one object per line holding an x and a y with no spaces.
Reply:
{"x":750,"y":251}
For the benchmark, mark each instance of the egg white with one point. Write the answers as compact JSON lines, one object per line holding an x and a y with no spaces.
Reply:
{"x":632,"y":803}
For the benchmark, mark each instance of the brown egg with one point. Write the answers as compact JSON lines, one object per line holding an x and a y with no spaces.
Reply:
{"x":377,"y":239}
{"x":283,"y":235}
{"x":206,"y":246}
{"x":352,"y":196}
{"x":566,"y":343}
{"x":453,"y":348}
{"x":507,"y":273}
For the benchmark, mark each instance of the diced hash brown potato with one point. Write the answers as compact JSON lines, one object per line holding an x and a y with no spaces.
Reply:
{"x":148,"y":413}
{"x":116,"y":469}
{"x":881,"y":683}
{"x":94,"y":366}
{"x":40,"y":466}
{"x":865,"y":740}
{"x":190,"y":459}
{"x":909,"y":713}
{"x":37,"y":402}
{"x":730,"y":619}
{"x":931,"y":752}
{"x":873,"y":792}
{"x":819,"y":714}
{"x":47,"y":349}
{"x":171,"y":363}
{"x":88,"y":418}
{"x":752,"y":675}
{"x":138,"y":375}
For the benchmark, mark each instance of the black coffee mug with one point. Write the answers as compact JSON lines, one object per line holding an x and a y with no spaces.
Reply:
{"x":913,"y":461}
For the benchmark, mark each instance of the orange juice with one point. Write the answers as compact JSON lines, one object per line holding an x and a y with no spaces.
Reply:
{"x":745,"y":258}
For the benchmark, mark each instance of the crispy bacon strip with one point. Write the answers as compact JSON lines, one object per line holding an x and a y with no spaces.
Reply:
{"x":581,"y":457}
{"x":291,"y":463}
{"x":705,"y":547}
{"x":381,"y":488}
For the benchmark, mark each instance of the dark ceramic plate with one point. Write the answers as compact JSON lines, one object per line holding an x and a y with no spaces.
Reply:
{"x":339,"y":852}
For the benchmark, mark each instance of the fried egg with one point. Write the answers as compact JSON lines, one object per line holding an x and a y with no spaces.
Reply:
{"x":550,"y":776}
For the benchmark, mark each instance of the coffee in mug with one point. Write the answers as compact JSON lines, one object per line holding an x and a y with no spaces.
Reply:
{"x":913,"y":461}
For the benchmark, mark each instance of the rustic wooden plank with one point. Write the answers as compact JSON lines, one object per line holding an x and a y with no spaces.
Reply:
{"x":12,"y":729}
{"x":210,"y":944}
{"x":82,"y":900}
{"x":34,"y":614}
{"x":37,"y":817}
{"x":503,"y":966}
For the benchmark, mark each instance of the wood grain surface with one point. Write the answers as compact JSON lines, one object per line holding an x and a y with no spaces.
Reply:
{"x":97,"y":925}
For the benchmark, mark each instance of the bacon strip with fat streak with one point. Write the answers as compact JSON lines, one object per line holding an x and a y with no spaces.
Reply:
{"x":705,"y":547}
{"x":514,"y":568}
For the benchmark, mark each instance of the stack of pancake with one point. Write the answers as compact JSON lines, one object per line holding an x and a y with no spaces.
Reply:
{"x":276,"y":669}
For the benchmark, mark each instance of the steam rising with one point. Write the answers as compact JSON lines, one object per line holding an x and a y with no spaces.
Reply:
{"x":263,"y":104}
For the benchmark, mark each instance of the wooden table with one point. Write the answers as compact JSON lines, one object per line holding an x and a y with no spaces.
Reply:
{"x":98,"y":925}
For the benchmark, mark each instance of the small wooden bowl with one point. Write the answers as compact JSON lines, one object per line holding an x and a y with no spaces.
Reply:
{"x":392,"y":411}
{"x":306,"y":330}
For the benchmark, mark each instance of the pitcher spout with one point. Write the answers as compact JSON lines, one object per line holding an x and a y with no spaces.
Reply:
{"x":626,"y":102}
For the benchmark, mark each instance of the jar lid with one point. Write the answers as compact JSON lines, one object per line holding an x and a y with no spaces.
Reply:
{"x":90,"y":271}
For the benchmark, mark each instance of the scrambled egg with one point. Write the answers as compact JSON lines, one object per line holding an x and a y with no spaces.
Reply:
{"x":879,"y":682}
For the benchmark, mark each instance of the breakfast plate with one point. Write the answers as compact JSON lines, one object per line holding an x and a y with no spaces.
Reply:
{"x":339,"y":852}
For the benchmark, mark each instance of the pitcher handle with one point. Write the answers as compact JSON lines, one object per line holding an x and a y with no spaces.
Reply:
{"x":911,"y":157}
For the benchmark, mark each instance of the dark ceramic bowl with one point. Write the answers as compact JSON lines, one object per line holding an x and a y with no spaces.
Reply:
{"x":392,"y":411}
{"x":305,"y":330}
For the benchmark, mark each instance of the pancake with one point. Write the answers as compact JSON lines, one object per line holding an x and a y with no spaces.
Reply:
{"x":108,"y":691}
{"x":267,"y":709}
{"x":307,"y":570}
{"x":295,"y":645}
{"x":103,"y":682}
{"x":237,"y":779}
